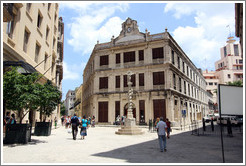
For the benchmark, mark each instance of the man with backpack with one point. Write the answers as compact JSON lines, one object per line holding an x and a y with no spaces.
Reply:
{"x":75,"y":123}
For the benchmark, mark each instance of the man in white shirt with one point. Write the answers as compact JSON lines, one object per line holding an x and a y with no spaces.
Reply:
{"x":161,"y":129}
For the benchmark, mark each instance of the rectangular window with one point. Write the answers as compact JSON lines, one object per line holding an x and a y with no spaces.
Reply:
{"x":228,"y":75}
{"x":141,"y":55}
{"x":39,"y":22}
{"x":174,"y":81}
{"x":183,"y":67}
{"x":240,"y":61}
{"x":117,"y":108}
{"x":157,"y":53}
{"x":133,"y":80}
{"x":129,"y":56}
{"x":215,"y":83}
{"x":225,"y":52}
{"x":37,"y":50}
{"x":180,"y":85}
{"x":178,"y":62}
{"x":26,"y":38}
{"x":141,"y":79}
{"x":210,"y":83}
{"x":173,"y":61}
{"x":45,"y":61}
{"x":54,"y":42}
{"x":236,"y":52}
{"x":189,"y":89}
{"x":184,"y":87}
{"x":11,"y":27}
{"x":190,"y":74}
{"x":117,"y":58}
{"x":103,"y":60}
{"x":47,"y":33}
{"x":117,"y":81}
{"x":49,"y":4}
{"x":103,"y":82}
{"x":28,"y":7}
{"x":158,"y":78}
{"x":187,"y":69}
{"x":55,"y":17}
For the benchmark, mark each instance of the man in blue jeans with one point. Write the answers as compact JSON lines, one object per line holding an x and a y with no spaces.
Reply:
{"x":161,"y":129}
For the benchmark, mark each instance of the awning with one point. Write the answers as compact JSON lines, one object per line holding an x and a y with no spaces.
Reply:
{"x":25,"y":68}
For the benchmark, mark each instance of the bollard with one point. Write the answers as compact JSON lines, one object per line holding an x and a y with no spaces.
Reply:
{"x":212,"y":125}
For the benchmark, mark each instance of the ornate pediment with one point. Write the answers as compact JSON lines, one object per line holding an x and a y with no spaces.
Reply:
{"x":129,"y":31}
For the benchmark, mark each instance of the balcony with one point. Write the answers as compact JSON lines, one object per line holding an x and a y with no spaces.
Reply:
{"x":10,"y":9}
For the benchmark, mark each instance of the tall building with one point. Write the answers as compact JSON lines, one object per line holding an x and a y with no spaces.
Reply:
{"x":165,"y":80}
{"x":30,"y":35}
{"x":230,"y":67}
{"x":69,"y":102}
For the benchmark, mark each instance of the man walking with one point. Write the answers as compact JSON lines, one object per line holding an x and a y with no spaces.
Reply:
{"x":161,"y":129}
{"x":75,"y":123}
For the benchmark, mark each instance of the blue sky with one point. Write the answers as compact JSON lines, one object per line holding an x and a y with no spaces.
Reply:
{"x":199,"y":28}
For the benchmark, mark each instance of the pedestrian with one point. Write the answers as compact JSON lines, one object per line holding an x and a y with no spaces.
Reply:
{"x":83,"y":131}
{"x":156,"y":122}
{"x":55,"y":122}
{"x":89,"y":122}
{"x":118,"y":120}
{"x":6,"y":121}
{"x":75,"y":123}
{"x":12,"y":119}
{"x":62,"y":120}
{"x":93,"y":120}
{"x":168,"y":128}
{"x":162,"y":128}
{"x":68,"y":120}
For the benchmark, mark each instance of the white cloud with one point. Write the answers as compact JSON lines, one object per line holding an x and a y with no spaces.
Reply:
{"x":94,"y":22}
{"x":202,"y":42}
{"x":72,"y":72}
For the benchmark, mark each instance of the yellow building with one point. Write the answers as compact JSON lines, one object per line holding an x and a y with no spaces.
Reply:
{"x":30,"y":34}
{"x":78,"y":101}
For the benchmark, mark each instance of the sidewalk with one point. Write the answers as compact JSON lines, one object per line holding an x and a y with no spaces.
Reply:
{"x":102,"y":145}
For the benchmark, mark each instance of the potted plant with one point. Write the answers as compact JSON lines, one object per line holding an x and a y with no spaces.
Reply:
{"x":49,"y":98}
{"x":18,"y":96}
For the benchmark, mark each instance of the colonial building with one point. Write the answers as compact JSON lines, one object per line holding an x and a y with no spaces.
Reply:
{"x":30,"y":35}
{"x":165,"y":80}
{"x":69,"y":102}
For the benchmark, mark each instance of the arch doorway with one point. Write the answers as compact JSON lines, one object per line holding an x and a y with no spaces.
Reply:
{"x":133,"y":110}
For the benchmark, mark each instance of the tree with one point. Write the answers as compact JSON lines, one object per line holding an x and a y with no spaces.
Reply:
{"x":235,"y":83}
{"x":18,"y":92}
{"x":63,"y":109}
{"x":49,"y":98}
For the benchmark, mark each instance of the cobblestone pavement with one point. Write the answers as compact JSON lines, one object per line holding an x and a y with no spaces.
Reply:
{"x":102,"y":146}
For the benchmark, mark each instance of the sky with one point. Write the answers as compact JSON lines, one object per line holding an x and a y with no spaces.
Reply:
{"x":200,"y":29}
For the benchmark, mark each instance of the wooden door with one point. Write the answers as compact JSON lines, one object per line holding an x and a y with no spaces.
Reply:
{"x":159,"y":108}
{"x":103,"y":111}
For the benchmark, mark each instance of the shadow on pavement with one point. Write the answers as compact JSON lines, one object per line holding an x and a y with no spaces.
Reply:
{"x":183,"y":148}
{"x":33,"y":142}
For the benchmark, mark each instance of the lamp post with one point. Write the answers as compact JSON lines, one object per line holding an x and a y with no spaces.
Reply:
{"x":130,"y":127}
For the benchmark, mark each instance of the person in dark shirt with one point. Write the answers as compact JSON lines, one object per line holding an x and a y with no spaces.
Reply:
{"x":75,"y":123}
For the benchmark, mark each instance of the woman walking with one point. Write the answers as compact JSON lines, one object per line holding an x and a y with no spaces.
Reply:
{"x":83,"y":131}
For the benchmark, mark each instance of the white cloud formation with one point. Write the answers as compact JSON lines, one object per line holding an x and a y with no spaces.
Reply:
{"x":73,"y":72}
{"x":94,"y":22}
{"x":202,"y":42}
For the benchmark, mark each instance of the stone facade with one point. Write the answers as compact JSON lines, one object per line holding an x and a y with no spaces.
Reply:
{"x":69,"y":103}
{"x":78,"y":101}
{"x":165,"y":82}
{"x":30,"y":35}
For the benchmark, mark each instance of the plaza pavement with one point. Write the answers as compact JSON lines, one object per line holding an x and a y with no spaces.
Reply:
{"x":103,"y":146}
